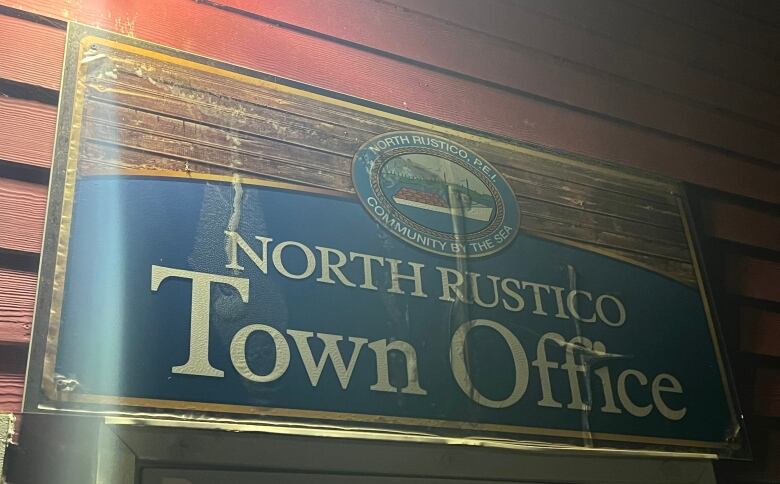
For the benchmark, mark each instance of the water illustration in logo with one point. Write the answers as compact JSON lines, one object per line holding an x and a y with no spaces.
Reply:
{"x":426,"y":187}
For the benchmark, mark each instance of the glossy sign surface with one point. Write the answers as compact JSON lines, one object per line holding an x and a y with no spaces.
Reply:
{"x":220,"y":242}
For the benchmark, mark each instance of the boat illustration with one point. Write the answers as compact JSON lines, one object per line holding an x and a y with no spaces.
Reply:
{"x":457,"y":203}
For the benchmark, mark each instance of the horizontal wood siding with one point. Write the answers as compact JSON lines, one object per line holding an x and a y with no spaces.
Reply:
{"x":228,"y":36}
{"x":17,"y":298}
{"x":26,"y":131}
{"x":31,"y":52}
{"x":591,"y":50}
{"x":685,"y":90}
{"x":760,"y":331}
{"x":11,"y":390}
{"x":12,"y":363}
{"x":154,"y":114}
{"x":657,"y":36}
{"x":22,"y":210}
{"x":753,"y":278}
{"x":731,"y":221}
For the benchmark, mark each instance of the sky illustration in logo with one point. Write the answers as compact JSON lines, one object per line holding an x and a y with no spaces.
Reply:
{"x":435,"y":194}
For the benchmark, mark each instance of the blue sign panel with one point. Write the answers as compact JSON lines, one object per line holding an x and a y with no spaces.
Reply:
{"x":285,"y":299}
{"x":418,"y":279}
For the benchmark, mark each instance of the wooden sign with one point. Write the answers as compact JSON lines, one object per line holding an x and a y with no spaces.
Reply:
{"x":223,"y":241}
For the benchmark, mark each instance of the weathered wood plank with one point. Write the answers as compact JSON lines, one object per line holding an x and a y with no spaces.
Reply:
{"x":30,"y":52}
{"x":753,"y":278}
{"x":447,"y":46}
{"x":590,"y":199}
{"x":201,"y":141}
{"x":276,"y":165}
{"x":607,"y":240}
{"x":145,"y":113}
{"x":729,"y":221}
{"x":22,"y":210}
{"x":26,"y":131}
{"x":681,"y":271}
{"x":237,"y":117}
{"x":759,"y":331}
{"x":17,"y":299}
{"x":174,"y":82}
{"x":584,"y":174}
{"x":174,"y":137}
{"x":139,"y":135}
{"x":103,"y":159}
{"x":578,"y":44}
{"x":405,"y":86}
{"x":602,"y":222}
{"x":191,"y":96}
{"x":192,"y":103}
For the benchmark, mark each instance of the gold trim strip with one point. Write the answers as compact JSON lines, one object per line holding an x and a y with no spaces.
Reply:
{"x":377,"y":419}
{"x":58,"y":283}
{"x":260,"y":426}
{"x":708,"y":312}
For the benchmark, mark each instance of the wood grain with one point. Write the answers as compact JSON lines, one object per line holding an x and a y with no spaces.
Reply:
{"x":141,"y":112}
{"x":22,"y":211}
{"x":204,"y":133}
{"x":753,"y":278}
{"x":184,"y":135}
{"x":30,"y":52}
{"x":26,"y":131}
{"x":17,"y":299}
{"x":264,"y":113}
{"x":447,"y":46}
{"x":591,"y":49}
{"x":759,"y":331}
{"x":737,"y":223}
{"x":233,"y":38}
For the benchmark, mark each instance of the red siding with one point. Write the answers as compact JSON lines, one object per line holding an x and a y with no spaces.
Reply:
{"x":203,"y":29}
{"x":26,"y":131}
{"x":687,"y":90}
{"x":31,"y":52}
{"x":22,"y":209}
{"x":17,"y":298}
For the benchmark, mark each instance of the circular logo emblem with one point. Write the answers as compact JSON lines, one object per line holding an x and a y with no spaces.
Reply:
{"x":435,"y":194}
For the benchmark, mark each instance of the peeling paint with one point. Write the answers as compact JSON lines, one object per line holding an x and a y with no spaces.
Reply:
{"x":235,"y":215}
{"x":92,"y":58}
